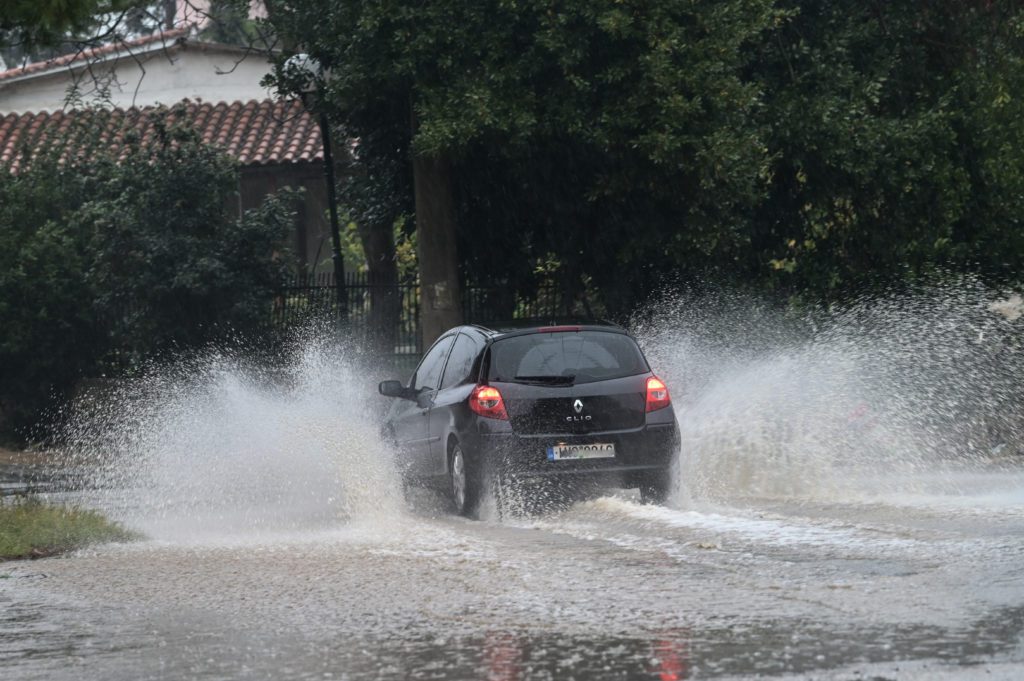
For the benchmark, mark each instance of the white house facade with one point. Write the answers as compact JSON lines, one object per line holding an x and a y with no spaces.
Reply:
{"x":164,"y":68}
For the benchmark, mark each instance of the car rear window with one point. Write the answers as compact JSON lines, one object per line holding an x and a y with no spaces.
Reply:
{"x":565,"y":357}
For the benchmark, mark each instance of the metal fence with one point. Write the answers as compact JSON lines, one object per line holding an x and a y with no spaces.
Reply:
{"x":388,"y":313}
{"x":481,"y":305}
{"x":383,"y":309}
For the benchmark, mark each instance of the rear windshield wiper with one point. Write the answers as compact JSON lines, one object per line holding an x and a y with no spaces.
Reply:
{"x":550,"y":378}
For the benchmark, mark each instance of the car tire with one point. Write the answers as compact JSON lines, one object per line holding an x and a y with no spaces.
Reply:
{"x":464,"y":483}
{"x":655,"y":491}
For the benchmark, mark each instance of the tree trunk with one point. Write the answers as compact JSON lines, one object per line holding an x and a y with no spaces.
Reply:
{"x":440,"y":299}
{"x":385,"y":304}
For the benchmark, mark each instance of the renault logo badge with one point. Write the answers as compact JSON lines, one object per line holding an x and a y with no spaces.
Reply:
{"x":578,"y":406}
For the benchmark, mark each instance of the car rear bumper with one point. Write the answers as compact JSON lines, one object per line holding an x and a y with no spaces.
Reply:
{"x":639,"y":454}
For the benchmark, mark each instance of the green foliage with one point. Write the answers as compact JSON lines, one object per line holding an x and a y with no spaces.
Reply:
{"x":32,"y":529}
{"x":800,"y":146}
{"x":106,"y":261}
{"x":47,"y":338}
{"x":890,"y":151}
{"x":57,"y":16}
{"x":623,"y":122}
{"x":170,"y":264}
{"x":46,"y":22}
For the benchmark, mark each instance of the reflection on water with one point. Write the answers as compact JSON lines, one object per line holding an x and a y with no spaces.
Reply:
{"x":503,"y":657}
{"x":508,"y":656}
{"x":670,"y":658}
{"x":497,"y":655}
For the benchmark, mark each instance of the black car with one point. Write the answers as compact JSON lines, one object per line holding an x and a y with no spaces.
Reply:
{"x":559,"y":402}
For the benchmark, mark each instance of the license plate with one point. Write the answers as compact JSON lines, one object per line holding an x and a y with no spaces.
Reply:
{"x":589,"y":451}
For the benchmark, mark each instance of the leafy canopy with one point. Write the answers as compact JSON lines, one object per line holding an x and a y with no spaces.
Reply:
{"x":34,"y":23}
{"x":629,"y":123}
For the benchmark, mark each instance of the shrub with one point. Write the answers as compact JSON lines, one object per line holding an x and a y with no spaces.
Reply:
{"x":109,"y":257}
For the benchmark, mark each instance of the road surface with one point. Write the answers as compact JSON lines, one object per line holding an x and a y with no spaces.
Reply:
{"x":923,"y":587}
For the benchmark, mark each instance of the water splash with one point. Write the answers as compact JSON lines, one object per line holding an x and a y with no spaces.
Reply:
{"x":889,"y":397}
{"x":213,"y":446}
{"x":905,"y":397}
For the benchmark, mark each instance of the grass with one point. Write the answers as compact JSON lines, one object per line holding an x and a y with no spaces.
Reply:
{"x":31,"y":528}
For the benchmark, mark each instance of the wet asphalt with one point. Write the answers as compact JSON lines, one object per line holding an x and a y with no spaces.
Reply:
{"x":909,"y":588}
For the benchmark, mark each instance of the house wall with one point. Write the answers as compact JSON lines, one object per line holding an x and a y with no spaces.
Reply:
{"x":311,"y":238}
{"x":165,"y":75}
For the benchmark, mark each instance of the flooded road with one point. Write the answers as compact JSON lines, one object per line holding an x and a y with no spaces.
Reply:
{"x":606,"y":588}
{"x":850,"y":506}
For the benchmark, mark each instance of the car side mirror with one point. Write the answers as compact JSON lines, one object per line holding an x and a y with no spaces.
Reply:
{"x":394,"y":389}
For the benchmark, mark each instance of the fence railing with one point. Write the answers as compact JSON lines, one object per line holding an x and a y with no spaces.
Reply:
{"x":388,"y":313}
{"x":387,"y":310}
{"x":482,"y":304}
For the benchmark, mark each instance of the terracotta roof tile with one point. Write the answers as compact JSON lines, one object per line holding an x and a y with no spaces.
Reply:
{"x":255,"y":132}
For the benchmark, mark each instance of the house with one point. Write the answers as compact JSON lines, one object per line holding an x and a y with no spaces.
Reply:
{"x":216,"y":89}
{"x":163,"y":68}
{"x":276,"y":143}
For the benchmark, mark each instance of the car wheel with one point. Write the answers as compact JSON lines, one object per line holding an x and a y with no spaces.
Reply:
{"x":465,"y":484}
{"x":655,"y":491}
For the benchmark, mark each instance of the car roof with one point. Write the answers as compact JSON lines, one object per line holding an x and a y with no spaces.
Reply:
{"x":518,"y":327}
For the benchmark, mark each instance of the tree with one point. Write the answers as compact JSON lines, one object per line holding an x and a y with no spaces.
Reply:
{"x":893,"y":144}
{"x":799,"y":147}
{"x":376,"y":192}
{"x":642,"y":102}
{"x":49,"y":22}
{"x":33,"y":31}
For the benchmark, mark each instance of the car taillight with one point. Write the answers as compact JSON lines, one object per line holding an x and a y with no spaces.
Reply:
{"x":657,"y":394}
{"x":487,"y":402}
